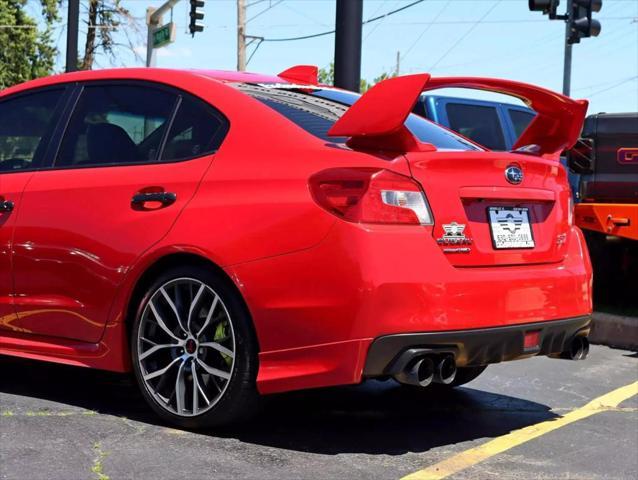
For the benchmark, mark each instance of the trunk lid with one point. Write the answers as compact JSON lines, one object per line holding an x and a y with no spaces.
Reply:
{"x":468,"y":192}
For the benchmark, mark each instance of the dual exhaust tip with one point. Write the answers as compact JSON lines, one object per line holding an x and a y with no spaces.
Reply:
{"x":441,"y":368}
{"x":422,"y":371}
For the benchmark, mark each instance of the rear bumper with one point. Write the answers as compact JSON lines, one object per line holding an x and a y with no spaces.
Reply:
{"x":478,"y":346}
{"x":317,"y":311}
{"x":620,"y":219}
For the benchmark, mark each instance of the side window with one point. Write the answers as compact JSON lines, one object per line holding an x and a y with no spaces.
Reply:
{"x":520,"y":120}
{"x":25,"y":123}
{"x":116,"y":124}
{"x":196,"y":130}
{"x":478,"y":123}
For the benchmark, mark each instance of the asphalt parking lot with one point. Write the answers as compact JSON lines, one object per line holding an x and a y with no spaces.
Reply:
{"x":519,"y":420}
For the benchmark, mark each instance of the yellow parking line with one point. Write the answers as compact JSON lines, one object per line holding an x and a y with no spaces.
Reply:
{"x":501,"y":444}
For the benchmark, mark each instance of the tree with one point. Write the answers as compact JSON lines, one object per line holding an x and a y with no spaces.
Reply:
{"x":26,"y":51}
{"x":326,"y":76}
{"x":103,"y":19}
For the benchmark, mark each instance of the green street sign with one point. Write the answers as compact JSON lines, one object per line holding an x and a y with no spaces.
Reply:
{"x":164,"y":35}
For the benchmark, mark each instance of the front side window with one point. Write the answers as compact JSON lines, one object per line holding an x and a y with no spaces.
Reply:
{"x":25,"y":123}
{"x":478,"y":123}
{"x":116,"y":124}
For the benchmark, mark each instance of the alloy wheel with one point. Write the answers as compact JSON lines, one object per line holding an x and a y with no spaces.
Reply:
{"x":186,"y":347}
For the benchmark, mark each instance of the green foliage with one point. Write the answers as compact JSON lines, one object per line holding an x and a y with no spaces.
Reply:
{"x":326,"y":76}
{"x":26,"y":51}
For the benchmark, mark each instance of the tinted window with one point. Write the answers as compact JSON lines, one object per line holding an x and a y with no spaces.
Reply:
{"x":478,"y":123}
{"x":311,"y":122}
{"x":116,"y":124}
{"x":520,"y":120}
{"x":196,"y":130}
{"x":25,"y":122}
{"x":318,"y":110}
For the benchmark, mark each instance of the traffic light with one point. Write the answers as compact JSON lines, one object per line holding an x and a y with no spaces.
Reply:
{"x":195,"y":15}
{"x":581,"y":25}
{"x":545,"y":6}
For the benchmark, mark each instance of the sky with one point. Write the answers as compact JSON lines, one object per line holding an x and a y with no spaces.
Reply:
{"x":443,"y":37}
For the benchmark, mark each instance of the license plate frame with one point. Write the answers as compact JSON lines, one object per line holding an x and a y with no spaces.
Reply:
{"x":510,"y":228}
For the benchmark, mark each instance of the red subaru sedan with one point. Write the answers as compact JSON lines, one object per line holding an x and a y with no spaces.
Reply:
{"x":230,"y":235}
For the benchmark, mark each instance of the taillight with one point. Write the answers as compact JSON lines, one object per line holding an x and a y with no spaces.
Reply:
{"x":365,"y":195}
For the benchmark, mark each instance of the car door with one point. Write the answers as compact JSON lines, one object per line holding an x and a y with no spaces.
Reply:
{"x":27,"y":121}
{"x":130,"y":159}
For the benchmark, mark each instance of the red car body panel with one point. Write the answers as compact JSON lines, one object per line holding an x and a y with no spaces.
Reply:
{"x":319,"y":289}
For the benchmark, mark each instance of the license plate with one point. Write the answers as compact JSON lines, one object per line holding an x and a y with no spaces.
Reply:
{"x":510,"y":227}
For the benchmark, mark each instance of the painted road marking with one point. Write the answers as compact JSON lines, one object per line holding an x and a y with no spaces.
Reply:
{"x":468,"y":458}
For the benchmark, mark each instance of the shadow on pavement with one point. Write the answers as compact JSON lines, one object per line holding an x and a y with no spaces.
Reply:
{"x":373,"y":418}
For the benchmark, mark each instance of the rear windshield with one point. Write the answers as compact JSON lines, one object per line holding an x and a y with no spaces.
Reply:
{"x":317,"y":110}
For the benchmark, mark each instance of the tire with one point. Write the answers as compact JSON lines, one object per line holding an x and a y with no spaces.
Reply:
{"x":203,"y":372}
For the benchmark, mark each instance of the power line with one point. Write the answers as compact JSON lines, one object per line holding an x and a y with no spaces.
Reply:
{"x":602,"y":84}
{"x":301,"y":14}
{"x":378,"y":9}
{"x":264,"y":10}
{"x":330,"y":32}
{"x":426,"y":29}
{"x":465,"y":35}
{"x":627,"y":80}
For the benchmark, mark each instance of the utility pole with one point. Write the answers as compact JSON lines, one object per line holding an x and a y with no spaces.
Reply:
{"x":398,"y":67}
{"x":72,"y":21}
{"x":241,"y":35}
{"x":348,"y":44}
{"x":567,"y":64}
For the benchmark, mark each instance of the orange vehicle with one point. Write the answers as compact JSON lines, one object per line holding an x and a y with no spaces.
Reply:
{"x":607,"y":158}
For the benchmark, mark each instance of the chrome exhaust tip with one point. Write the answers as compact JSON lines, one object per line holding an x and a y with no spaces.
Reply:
{"x":419,"y":373}
{"x":445,"y":372}
{"x":578,"y":349}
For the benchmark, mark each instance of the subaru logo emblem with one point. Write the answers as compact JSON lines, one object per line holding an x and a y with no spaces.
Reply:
{"x":514,"y":174}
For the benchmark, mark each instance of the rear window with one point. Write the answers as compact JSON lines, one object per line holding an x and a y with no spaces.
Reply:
{"x":520,"y":120}
{"x":317,"y":110}
{"x":478,"y":123}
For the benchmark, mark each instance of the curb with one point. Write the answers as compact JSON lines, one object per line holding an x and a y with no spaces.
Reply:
{"x":614,"y":331}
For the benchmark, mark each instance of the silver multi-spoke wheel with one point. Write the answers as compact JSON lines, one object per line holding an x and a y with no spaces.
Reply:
{"x":186,"y":347}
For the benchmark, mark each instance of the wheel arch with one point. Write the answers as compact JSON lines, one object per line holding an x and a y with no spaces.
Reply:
{"x":165,"y":262}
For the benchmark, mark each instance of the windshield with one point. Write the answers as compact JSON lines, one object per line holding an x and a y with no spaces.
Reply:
{"x":317,"y":109}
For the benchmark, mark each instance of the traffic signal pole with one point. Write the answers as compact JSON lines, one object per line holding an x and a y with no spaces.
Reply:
{"x":154,"y":20}
{"x":72,"y":21}
{"x":348,"y":44}
{"x":567,"y":63}
{"x":578,"y":24}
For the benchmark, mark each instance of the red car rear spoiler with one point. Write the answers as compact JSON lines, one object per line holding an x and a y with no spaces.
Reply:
{"x":377,"y":119}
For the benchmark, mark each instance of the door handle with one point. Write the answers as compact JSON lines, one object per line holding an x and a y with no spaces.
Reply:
{"x":165,"y":198}
{"x":6,"y":206}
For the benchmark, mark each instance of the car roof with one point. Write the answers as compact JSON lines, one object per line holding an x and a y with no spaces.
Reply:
{"x":150,"y":74}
